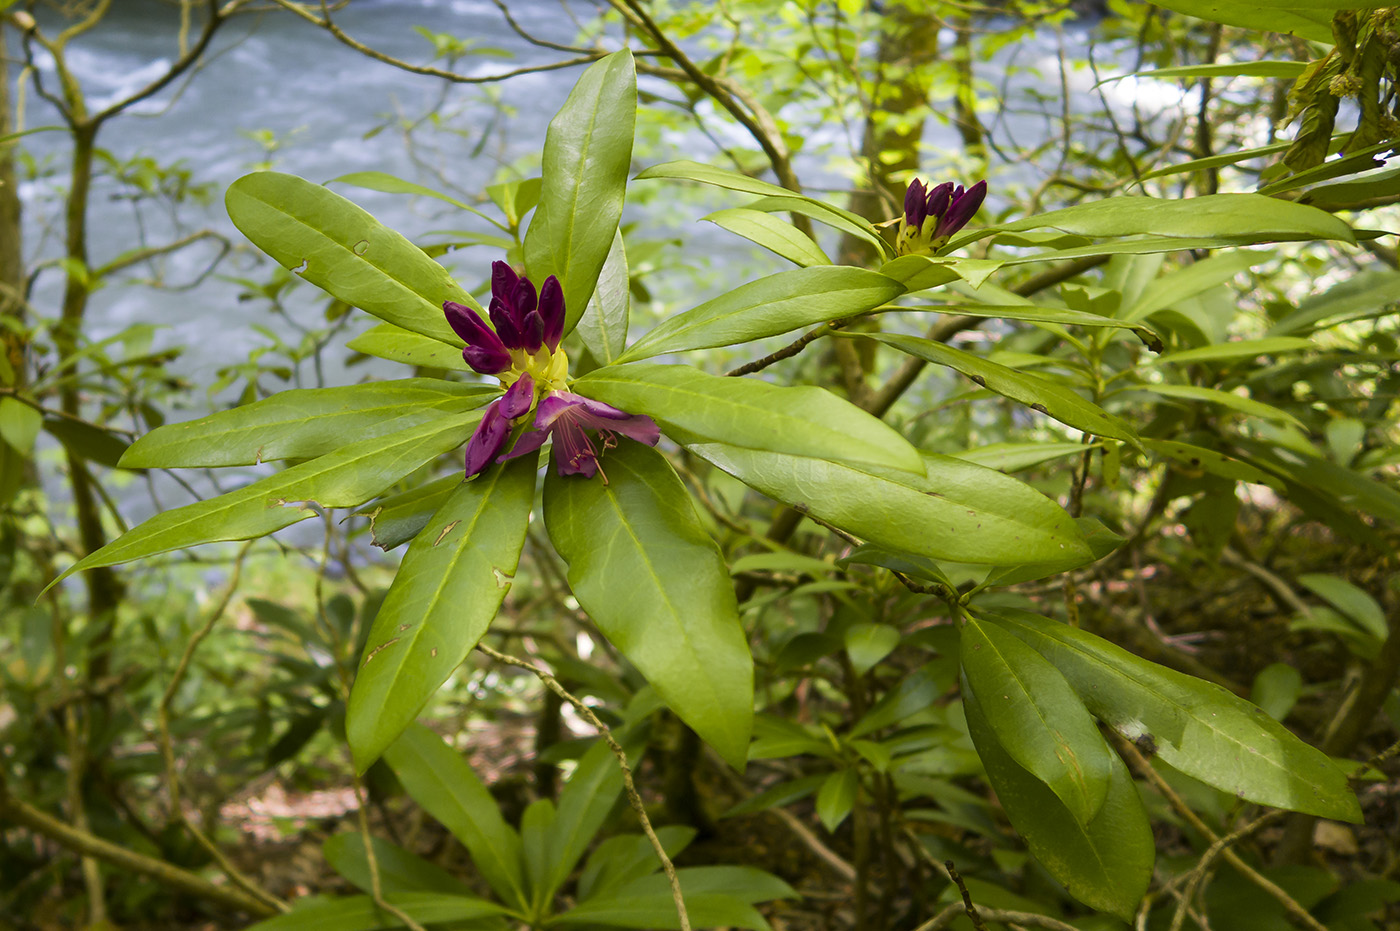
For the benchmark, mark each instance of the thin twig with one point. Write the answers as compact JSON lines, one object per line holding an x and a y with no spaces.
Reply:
{"x":167,"y":744}
{"x":1295,"y":911}
{"x":788,"y":351}
{"x":633,"y":797}
{"x":1199,"y":872}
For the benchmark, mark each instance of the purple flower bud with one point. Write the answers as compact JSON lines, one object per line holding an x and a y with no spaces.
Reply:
{"x":485,"y":351}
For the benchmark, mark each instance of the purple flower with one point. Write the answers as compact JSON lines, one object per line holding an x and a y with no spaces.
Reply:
{"x":523,"y":351}
{"x":568,"y":417}
{"x":495,"y":427}
{"x":933,"y":215}
{"x":524,"y":324}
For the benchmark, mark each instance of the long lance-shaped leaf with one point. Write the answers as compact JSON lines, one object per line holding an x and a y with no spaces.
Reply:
{"x":777,"y":304}
{"x":303,"y":423}
{"x":644,"y":569}
{"x":1194,"y":726}
{"x":342,"y":249}
{"x":1041,"y":394}
{"x":1244,"y":217}
{"x":447,"y":590}
{"x":684,"y":170}
{"x":1107,"y":863}
{"x":386,"y":341}
{"x":960,"y":512}
{"x":361,"y":913}
{"x":1037,"y":717}
{"x":771,"y":233}
{"x":801,"y":421}
{"x":444,"y":786}
{"x":345,"y":478}
{"x":603,"y":328}
{"x":587,"y":152}
{"x":1059,"y":315}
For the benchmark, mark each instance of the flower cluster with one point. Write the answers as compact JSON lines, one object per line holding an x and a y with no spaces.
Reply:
{"x":523,"y":352}
{"x":933,"y":215}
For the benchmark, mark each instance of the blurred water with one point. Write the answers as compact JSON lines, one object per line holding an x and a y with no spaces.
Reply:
{"x":324,"y":101}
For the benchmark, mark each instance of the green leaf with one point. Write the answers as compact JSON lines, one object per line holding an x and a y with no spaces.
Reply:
{"x":1192,"y":280}
{"x":1276,"y":689}
{"x":1013,"y":457}
{"x":767,"y":307}
{"x":1350,"y":600}
{"x":843,"y":220}
{"x":1246,"y":217}
{"x":396,"y":519}
{"x":1048,"y":397}
{"x":1235,"y":349}
{"x":587,"y":153}
{"x":919,"y":567}
{"x":399,"y":870}
{"x":801,"y":421}
{"x":644,"y":569}
{"x":915,"y":693}
{"x":19,"y":424}
{"x":304,"y":423}
{"x":784,"y":793}
{"x":959,"y":511}
{"x":620,"y":860}
{"x":583,"y":808}
{"x":1209,"y":460}
{"x":359,"y":913}
{"x":343,"y":250}
{"x":389,"y":184}
{"x":386,"y":341}
{"x":1244,"y":405}
{"x":715,"y":897}
{"x":1106,"y":864}
{"x":345,"y":478}
{"x":782,"y":239}
{"x":1236,"y":69}
{"x":684,"y":170}
{"x":603,"y":328}
{"x":867,"y":644}
{"x":451,"y":583}
{"x":1303,"y":18}
{"x":1194,"y":726}
{"x":837,"y":797}
{"x":442,"y":783}
{"x":1037,"y":718}
{"x":86,"y":440}
{"x":1035,"y":314}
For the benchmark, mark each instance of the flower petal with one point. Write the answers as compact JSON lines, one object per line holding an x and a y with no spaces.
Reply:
{"x":962,"y":209}
{"x":552,"y":311}
{"x":488,"y":439}
{"x":938,"y":199}
{"x":914,"y":204}
{"x":485,"y":352}
{"x":504,"y":319}
{"x":597,"y":416}
{"x":573,"y":453}
{"x":518,"y":397}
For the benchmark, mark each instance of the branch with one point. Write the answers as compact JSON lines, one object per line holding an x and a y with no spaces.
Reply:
{"x":1144,"y":769}
{"x":86,"y":844}
{"x":179,"y":67}
{"x":633,"y":797}
{"x":325,"y":22}
{"x":167,"y":745}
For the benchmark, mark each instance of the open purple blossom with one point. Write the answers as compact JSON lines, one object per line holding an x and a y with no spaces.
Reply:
{"x":933,"y":215}
{"x":568,"y":417}
{"x":523,"y":352}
